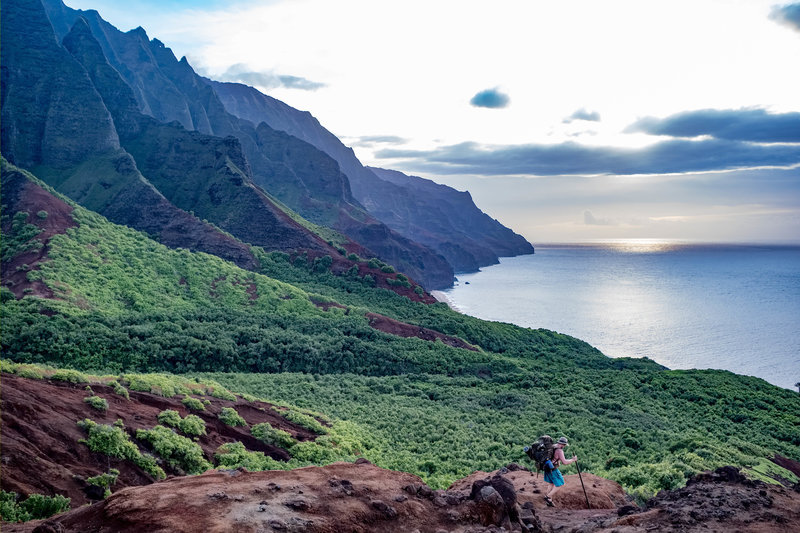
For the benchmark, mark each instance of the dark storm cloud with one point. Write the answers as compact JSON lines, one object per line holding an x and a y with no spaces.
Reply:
{"x":788,"y":14}
{"x":675,"y":156}
{"x":491,"y":98}
{"x":583,"y":114}
{"x":268,"y":80}
{"x":754,"y":125}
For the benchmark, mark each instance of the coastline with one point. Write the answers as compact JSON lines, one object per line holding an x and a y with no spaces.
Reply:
{"x":442,"y":297}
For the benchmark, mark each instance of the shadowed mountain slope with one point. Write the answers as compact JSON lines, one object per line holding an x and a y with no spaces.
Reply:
{"x":293,"y":171}
{"x":421,"y":210}
{"x":55,"y":121}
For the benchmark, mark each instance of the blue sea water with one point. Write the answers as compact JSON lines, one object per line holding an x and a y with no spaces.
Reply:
{"x":731,"y":307}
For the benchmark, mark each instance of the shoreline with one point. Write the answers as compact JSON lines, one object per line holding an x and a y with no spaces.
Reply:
{"x":442,"y":297}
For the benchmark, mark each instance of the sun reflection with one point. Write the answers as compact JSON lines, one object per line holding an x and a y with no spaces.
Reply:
{"x":643,"y":246}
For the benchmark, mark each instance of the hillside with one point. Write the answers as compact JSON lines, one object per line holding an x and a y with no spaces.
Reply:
{"x":46,"y":452}
{"x":139,"y":76}
{"x":442,"y":394}
{"x":144,"y":259}
{"x":435,"y":215}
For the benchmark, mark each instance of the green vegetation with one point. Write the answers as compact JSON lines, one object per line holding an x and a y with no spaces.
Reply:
{"x":129,"y":307}
{"x":70,"y":376}
{"x":193,"y":403}
{"x":105,"y":481}
{"x":230,"y":417}
{"x":101,"y":404}
{"x":646,"y":430}
{"x":21,"y":238}
{"x":235,"y":455}
{"x":119,"y":389}
{"x":302,"y":419}
{"x":114,"y":441}
{"x":34,"y":507}
{"x":178,"y":451}
{"x":268,"y":434}
{"x":192,"y":425}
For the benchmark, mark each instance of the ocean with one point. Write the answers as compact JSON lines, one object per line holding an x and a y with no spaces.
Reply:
{"x":722,"y":306}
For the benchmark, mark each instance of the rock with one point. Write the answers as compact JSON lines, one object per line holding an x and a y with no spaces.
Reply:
{"x":412,"y":488}
{"x":627,"y":509}
{"x":401,"y":498}
{"x":48,"y":527}
{"x":298,"y":504}
{"x":362,"y":461}
{"x":490,"y":507}
{"x":385,"y":509}
{"x":94,"y":492}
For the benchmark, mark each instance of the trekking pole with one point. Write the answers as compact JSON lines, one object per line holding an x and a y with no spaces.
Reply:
{"x":588,"y":505}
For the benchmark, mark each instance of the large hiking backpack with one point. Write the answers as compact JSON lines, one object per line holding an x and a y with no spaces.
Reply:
{"x":541,"y":453}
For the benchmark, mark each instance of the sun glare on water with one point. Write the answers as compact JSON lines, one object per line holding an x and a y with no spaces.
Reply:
{"x":642,"y":246}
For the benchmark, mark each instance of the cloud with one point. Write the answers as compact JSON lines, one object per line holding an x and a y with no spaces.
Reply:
{"x":590,"y":220}
{"x":788,"y":15}
{"x":755,"y":125}
{"x":491,"y":98}
{"x":371,"y":140}
{"x":583,"y":114}
{"x":570,"y":158}
{"x":267,"y":80}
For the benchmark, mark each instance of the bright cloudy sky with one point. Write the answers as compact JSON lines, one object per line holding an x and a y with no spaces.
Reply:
{"x":566,"y":120}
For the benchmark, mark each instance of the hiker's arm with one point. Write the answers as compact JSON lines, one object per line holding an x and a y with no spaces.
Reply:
{"x":563,"y":460}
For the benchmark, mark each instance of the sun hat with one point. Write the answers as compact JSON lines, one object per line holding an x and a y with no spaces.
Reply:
{"x":563,"y":440}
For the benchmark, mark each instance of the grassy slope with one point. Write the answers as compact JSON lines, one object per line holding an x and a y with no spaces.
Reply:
{"x":130,"y":304}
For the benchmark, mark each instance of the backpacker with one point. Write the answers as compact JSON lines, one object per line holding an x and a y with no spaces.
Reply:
{"x":541,"y":453}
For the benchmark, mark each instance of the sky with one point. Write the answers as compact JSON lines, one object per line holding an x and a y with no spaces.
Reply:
{"x":567,"y":121}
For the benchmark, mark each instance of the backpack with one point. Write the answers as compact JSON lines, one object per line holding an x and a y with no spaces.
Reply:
{"x":541,"y":453}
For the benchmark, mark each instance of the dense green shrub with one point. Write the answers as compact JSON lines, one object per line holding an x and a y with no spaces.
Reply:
{"x":178,"y":451}
{"x":114,"y":441}
{"x":235,"y":455}
{"x":193,"y":403}
{"x":301,"y":419}
{"x":119,"y":389}
{"x":101,"y":404}
{"x":105,"y":481}
{"x":277,"y":437}
{"x":230,"y":417}
{"x":34,"y":507}
{"x":21,"y":238}
{"x":169,"y":417}
{"x":192,"y":425}
{"x":70,"y":376}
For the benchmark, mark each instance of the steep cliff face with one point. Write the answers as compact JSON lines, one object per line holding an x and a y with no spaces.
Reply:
{"x":436,"y":216}
{"x":51,"y":114}
{"x":209,"y":176}
{"x":441,"y":217}
{"x":55,"y":121}
{"x":294,"y":171}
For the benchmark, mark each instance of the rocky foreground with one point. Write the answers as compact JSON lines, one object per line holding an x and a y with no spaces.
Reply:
{"x":42,"y":453}
{"x":361,"y":497}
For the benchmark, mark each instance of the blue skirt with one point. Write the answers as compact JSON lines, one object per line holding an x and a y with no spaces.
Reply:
{"x":554,"y":477}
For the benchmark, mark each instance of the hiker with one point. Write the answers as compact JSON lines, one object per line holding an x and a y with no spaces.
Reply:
{"x":554,"y":476}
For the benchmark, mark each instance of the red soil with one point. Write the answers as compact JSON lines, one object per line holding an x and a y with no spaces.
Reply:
{"x":40,"y":437}
{"x":22,"y":195}
{"x":402,"y":329}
